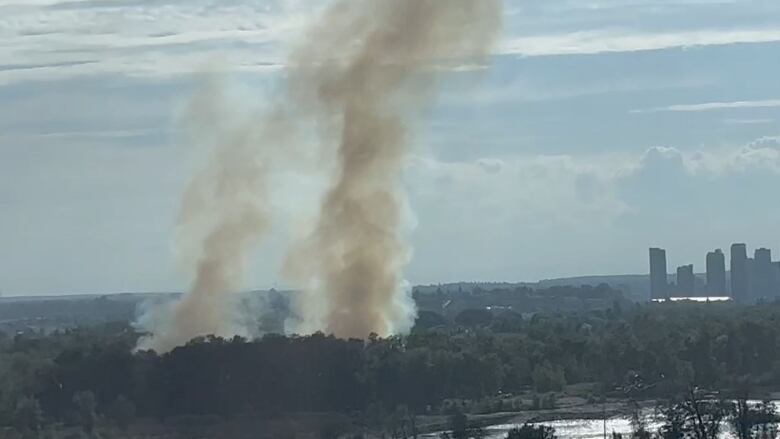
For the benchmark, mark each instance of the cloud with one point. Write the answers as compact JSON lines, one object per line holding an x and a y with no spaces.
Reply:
{"x":150,"y":38}
{"x":544,"y":89}
{"x":673,"y":168}
{"x":756,"y":121}
{"x":703,"y":195}
{"x":553,"y":215}
{"x":507,"y":218}
{"x":516,"y":190}
{"x":712,"y":106}
{"x":758,"y":156}
{"x":88,"y":135}
{"x":567,"y":189}
{"x":9,"y":67}
{"x":55,"y":40}
{"x":621,"y":40}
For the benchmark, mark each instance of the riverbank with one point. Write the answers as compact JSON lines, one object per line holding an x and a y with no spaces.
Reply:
{"x":567,"y":407}
{"x":570,"y":406}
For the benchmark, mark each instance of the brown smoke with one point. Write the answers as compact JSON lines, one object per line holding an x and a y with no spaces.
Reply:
{"x":224,"y":211}
{"x":363,"y":72}
{"x":369,"y":67}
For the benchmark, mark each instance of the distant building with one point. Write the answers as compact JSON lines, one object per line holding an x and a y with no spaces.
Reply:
{"x":716,"y":274}
{"x":763,"y":255}
{"x":685,"y":281}
{"x":762,"y":276}
{"x":739,"y":273}
{"x":658,"y":282}
{"x":776,"y":283}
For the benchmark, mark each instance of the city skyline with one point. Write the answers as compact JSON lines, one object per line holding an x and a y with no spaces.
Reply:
{"x":748,"y":278}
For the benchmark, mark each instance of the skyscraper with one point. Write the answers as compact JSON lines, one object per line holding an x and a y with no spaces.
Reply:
{"x":776,"y":283}
{"x":763,"y":275}
{"x":739,"y":273}
{"x":763,"y":255}
{"x":658,"y":285}
{"x":716,"y":274}
{"x":685,"y":281}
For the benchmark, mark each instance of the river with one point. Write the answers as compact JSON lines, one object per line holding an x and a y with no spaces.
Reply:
{"x":577,"y":428}
{"x":594,"y":428}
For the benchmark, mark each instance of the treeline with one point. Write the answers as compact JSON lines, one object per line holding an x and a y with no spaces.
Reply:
{"x":451,"y":300}
{"x":644,"y":350}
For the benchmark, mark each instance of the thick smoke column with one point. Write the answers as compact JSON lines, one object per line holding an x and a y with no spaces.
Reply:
{"x":223,"y":211}
{"x":369,"y":66}
{"x":362,"y":72}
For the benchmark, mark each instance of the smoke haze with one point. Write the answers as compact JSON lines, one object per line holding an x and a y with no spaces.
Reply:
{"x":223,"y":212}
{"x":363,"y":72}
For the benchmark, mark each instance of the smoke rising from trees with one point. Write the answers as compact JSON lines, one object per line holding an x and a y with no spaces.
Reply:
{"x":363,"y":72}
{"x":223,"y":214}
{"x":388,"y":54}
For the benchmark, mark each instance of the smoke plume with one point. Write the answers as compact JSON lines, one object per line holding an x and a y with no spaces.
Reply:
{"x":370,"y":67}
{"x":224,"y":212}
{"x":361,"y":75}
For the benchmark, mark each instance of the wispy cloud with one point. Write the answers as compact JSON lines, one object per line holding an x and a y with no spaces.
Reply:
{"x":49,"y":40}
{"x":622,"y":40}
{"x":757,"y":121}
{"x":96,"y":134}
{"x":54,"y":40}
{"x":712,"y":106}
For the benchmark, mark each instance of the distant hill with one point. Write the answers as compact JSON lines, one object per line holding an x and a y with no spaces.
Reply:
{"x":634,"y":287}
{"x":263,"y":309}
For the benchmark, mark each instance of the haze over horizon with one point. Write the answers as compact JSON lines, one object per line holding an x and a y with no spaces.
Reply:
{"x":593,"y":137}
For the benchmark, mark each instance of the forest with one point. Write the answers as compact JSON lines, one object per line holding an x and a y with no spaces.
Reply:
{"x":473,"y":364}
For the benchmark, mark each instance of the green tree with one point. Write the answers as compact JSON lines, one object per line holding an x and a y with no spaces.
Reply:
{"x":474,"y":317}
{"x":28,"y":416}
{"x":85,"y":404}
{"x":548,"y":377}
{"x":122,"y":411}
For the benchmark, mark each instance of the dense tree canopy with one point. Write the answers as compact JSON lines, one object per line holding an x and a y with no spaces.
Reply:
{"x":645,"y":349}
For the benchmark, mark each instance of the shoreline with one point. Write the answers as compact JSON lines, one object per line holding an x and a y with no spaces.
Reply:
{"x":610,"y":409}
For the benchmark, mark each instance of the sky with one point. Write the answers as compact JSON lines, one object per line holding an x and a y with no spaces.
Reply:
{"x":602,"y":127}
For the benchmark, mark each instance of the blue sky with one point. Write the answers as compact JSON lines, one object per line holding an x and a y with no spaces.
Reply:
{"x":602,"y":128}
